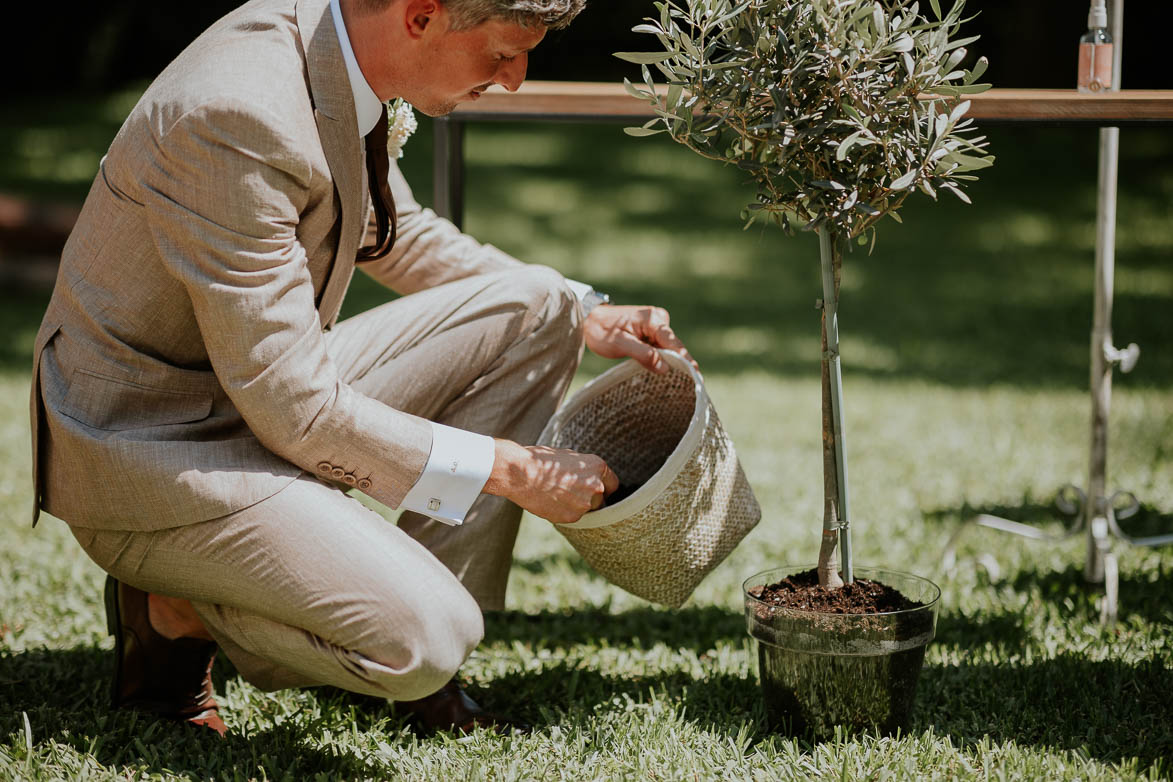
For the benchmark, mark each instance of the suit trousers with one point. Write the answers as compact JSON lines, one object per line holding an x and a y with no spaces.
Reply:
{"x":310,"y":586}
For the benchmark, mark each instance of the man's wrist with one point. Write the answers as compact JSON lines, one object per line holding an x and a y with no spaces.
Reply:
{"x":593,"y":299}
{"x":508,"y":471}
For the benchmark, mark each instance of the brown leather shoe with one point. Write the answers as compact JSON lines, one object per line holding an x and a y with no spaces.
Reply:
{"x":158,"y":675}
{"x":450,"y":709}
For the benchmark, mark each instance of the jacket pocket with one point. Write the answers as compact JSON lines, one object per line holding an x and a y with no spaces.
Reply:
{"x":114,"y":404}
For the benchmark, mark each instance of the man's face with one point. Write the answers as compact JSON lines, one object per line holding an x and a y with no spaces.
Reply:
{"x":460,"y":65}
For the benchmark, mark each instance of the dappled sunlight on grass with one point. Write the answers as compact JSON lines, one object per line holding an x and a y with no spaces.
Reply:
{"x":50,"y":158}
{"x":51,"y":147}
{"x":868,"y":356}
{"x":15,"y":475}
{"x":542,"y":198}
{"x":20,"y":318}
{"x":1154,"y":283}
{"x":1027,"y":231}
{"x":1147,"y":228}
{"x":549,"y":149}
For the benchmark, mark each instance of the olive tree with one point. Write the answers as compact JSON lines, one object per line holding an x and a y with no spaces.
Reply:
{"x":838,"y":110}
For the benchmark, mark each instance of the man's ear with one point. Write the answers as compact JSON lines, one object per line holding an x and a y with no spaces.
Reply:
{"x":420,"y":15}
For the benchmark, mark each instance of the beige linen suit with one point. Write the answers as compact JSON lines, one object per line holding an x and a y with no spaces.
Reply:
{"x":191,"y":387}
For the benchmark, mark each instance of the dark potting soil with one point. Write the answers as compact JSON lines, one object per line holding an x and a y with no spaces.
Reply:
{"x":802,"y":592}
{"x":624,"y":491}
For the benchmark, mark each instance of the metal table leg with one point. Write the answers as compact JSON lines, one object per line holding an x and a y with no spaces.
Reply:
{"x":448,"y":169}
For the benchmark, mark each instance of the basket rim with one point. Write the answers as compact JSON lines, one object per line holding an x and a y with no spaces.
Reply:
{"x":689,"y":441}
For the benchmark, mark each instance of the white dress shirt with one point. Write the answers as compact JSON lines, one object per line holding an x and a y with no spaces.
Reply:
{"x":460,"y":462}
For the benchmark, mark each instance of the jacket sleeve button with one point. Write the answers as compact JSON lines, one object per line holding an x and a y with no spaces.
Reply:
{"x":325,"y":467}
{"x":337,"y":473}
{"x":364,"y":484}
{"x":349,"y":479}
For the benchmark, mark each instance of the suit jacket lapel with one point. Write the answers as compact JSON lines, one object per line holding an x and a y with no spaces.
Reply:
{"x":334,"y":114}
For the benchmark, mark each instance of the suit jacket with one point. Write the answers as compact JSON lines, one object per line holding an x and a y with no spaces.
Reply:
{"x":180,"y":372}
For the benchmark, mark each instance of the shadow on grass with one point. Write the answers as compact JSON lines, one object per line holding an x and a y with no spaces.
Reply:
{"x":1003,"y":632}
{"x":695,"y":627}
{"x":570,"y":694}
{"x":1045,"y":517}
{"x":559,"y":560}
{"x":1147,"y":521}
{"x":65,"y":695}
{"x":1145,"y":593}
{"x":1042,"y":513}
{"x":574,"y":693}
{"x":1110,"y":710}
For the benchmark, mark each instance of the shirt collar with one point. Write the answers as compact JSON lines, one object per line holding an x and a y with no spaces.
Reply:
{"x":366,"y":103}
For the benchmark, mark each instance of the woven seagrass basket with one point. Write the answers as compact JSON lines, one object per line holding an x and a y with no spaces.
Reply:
{"x":692,"y":504}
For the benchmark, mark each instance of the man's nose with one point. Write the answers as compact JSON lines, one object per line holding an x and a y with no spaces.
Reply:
{"x":512,"y":73}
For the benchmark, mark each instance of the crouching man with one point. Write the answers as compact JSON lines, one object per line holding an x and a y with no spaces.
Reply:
{"x":199,"y":417}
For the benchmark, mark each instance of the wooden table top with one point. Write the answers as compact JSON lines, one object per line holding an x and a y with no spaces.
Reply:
{"x":607,"y":101}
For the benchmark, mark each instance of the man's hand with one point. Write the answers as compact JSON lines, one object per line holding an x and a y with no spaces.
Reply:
{"x":557,"y":485}
{"x":623,"y":331}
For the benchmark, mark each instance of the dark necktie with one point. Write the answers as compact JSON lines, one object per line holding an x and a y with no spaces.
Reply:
{"x":381,"y":198}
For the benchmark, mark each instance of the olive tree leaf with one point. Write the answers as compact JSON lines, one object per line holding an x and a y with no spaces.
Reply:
{"x":902,"y":183}
{"x":645,"y":58}
{"x":902,"y":44}
{"x":979,"y":68}
{"x":636,"y":92}
{"x":638,"y":132}
{"x":957,"y":191}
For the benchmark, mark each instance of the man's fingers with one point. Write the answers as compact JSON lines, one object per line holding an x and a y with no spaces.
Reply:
{"x":610,"y":480}
{"x":610,"y":484}
{"x":630,"y":345}
{"x":666,"y":338}
{"x":654,"y":318}
{"x":657,"y":332}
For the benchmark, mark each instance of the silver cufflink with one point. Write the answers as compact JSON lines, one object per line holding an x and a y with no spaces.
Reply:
{"x":434,"y":504}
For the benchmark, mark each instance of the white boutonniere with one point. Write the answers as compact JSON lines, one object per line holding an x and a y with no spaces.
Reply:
{"x":401,"y":123}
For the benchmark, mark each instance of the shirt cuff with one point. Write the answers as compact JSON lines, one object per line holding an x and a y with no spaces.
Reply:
{"x":579,"y":289}
{"x":458,"y":468}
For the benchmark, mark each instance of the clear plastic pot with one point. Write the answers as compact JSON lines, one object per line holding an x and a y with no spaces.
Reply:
{"x":819,"y":670}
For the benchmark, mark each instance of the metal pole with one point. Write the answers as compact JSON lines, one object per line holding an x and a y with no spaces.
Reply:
{"x":1101,"y":368}
{"x":831,"y":310}
{"x":448,"y":169}
{"x":1101,"y":337}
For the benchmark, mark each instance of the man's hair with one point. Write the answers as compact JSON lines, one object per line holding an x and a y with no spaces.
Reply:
{"x":554,"y":14}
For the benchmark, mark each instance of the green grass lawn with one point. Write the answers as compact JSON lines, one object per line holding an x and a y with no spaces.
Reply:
{"x":965,"y":349}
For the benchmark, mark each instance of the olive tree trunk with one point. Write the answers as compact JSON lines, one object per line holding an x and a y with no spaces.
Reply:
{"x":836,"y":504}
